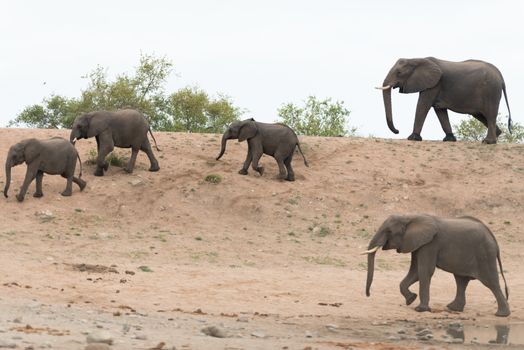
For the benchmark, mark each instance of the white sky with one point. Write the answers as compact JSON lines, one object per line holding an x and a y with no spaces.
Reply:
{"x":262,"y":53}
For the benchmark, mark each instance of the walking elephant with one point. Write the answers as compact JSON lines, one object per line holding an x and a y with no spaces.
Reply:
{"x":55,"y":156}
{"x":469,"y":87}
{"x":276,"y":140}
{"x":126,"y":128}
{"x":463,"y":246}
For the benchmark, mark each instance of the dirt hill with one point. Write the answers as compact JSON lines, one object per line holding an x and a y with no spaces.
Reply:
{"x":157,"y":257}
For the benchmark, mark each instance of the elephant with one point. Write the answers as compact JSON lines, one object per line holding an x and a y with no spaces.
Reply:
{"x":126,"y":128}
{"x":470,"y":87}
{"x":276,"y":140}
{"x":54,"y":156}
{"x":463,"y":246}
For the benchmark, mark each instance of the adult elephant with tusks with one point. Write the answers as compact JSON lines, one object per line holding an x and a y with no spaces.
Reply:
{"x":469,"y":87}
{"x":463,"y":246}
{"x":276,"y":140}
{"x":126,"y":128}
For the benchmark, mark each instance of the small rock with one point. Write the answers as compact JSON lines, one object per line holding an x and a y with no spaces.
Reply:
{"x":100,"y":336}
{"x":316,"y":230}
{"x":401,"y":331}
{"x":137,"y":182}
{"x":126,"y":328}
{"x":394,"y":338}
{"x":140,"y":336}
{"x":424,"y":332}
{"x":7,"y":344}
{"x":44,"y":215}
{"x":309,"y":334}
{"x":17,"y":320}
{"x":258,"y":334}
{"x":332,"y":327}
{"x":214,"y":331}
{"x":97,"y":346}
{"x":46,"y":345}
{"x":243,"y":319}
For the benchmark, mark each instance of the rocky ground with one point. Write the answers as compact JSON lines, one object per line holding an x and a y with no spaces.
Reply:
{"x":169,"y":260}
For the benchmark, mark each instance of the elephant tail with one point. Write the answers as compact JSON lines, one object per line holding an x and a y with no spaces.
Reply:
{"x":507,"y":105}
{"x":156,"y":146}
{"x":79,"y":161}
{"x":303,"y":156}
{"x":503,"y":277}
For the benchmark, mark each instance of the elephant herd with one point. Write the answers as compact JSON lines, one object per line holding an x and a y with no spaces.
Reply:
{"x":462,"y":246}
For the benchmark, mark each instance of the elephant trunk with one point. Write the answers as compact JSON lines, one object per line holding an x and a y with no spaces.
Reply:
{"x":8,"y":167}
{"x":386,"y":95}
{"x":225,"y":137}
{"x":73,"y":137}
{"x":376,"y":243}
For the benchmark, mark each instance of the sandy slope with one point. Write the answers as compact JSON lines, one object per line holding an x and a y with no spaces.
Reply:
{"x":251,"y":254}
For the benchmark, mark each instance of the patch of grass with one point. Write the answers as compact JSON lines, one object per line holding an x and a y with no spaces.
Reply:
{"x":324,"y":231}
{"x":145,"y":268}
{"x":213,"y":178}
{"x":324,"y":260}
{"x":198,"y":238}
{"x":113,"y":158}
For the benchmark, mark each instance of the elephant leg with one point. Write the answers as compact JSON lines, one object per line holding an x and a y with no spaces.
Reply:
{"x":30,"y":175}
{"x":425,"y":100}
{"x":257,"y":153}
{"x":69,"y":185}
{"x":282,"y":171}
{"x":482,"y":119}
{"x":131,"y":164}
{"x":443,"y":118}
{"x":146,"y":147}
{"x":290,"y":172}
{"x":426,"y":267}
{"x":106,"y":146}
{"x":410,"y":278}
{"x":39,"y":176}
{"x":247,"y":162}
{"x":490,"y":278}
{"x":493,"y":130}
{"x":460,"y":297}
{"x":81,"y":183}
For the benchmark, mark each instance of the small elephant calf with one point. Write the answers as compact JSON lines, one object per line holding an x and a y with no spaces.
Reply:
{"x":55,"y":156}
{"x":276,"y":140}
{"x":463,"y":246}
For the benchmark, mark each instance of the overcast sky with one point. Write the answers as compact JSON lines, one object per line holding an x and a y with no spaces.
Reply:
{"x":263,"y":53}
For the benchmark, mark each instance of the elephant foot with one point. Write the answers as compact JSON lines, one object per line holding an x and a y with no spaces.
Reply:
{"x":456,"y":306}
{"x":66,"y":193}
{"x":38,"y":194}
{"x":503,"y":312}
{"x":415,"y":137}
{"x":489,"y":141}
{"x":242,"y":171}
{"x":498,"y":131}
{"x":260,"y":170}
{"x":449,"y":138}
{"x":127,"y":170}
{"x":106,"y":166}
{"x":422,"y":308}
{"x":19,"y":197}
{"x":411,"y":298}
{"x":154,"y":168}
{"x":82,"y":184}
{"x":99,"y":172}
{"x":290,"y":178}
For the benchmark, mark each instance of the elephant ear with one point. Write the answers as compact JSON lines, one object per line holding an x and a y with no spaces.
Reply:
{"x":426,"y":75}
{"x":98,"y":123}
{"x":247,"y":131}
{"x":419,"y":231}
{"x":31,"y":150}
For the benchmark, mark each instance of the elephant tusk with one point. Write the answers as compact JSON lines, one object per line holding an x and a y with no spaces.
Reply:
{"x":74,"y":140}
{"x":372,"y":250}
{"x":383,"y":87}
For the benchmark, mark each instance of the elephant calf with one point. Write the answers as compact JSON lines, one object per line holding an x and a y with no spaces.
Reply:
{"x":55,"y":156}
{"x":125,"y":128}
{"x":276,"y":140}
{"x":463,"y":246}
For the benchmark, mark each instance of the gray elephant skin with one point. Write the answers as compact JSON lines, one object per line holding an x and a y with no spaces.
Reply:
{"x":276,"y":140}
{"x":55,"y":156}
{"x":126,"y":128}
{"x":463,"y":246}
{"x":470,"y":87}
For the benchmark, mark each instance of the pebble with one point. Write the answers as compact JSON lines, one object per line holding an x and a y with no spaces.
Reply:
{"x":18,"y":320}
{"x":140,"y":336}
{"x":97,"y":346}
{"x":332,"y":327}
{"x":214,"y":331}
{"x":100,"y":336}
{"x":7,"y":344}
{"x":243,"y":319}
{"x":258,"y":334}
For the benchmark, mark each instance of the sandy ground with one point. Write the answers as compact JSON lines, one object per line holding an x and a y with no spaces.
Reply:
{"x":154,"y":259}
